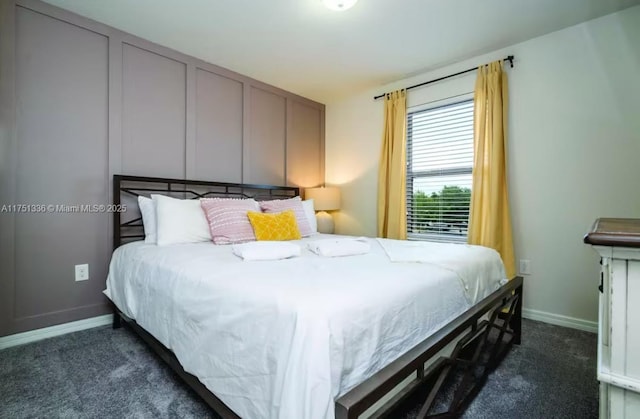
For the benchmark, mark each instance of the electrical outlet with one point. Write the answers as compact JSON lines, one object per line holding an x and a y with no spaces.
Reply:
{"x":525,"y":267}
{"x":82,"y":272}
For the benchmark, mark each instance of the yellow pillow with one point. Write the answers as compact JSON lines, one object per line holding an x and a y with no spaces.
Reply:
{"x":278,"y":226}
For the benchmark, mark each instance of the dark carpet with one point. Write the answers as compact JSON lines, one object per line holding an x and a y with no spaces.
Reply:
{"x":106,"y":373}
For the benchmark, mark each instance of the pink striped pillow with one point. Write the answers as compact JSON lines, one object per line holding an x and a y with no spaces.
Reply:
{"x":228,"y":221}
{"x":294,"y":204}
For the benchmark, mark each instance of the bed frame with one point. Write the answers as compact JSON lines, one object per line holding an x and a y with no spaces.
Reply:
{"x":482,"y":335}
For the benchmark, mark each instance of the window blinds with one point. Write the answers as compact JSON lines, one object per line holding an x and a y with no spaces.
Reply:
{"x":439,"y":164}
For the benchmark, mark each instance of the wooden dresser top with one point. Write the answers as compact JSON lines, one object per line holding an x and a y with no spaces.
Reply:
{"x":623,"y":232}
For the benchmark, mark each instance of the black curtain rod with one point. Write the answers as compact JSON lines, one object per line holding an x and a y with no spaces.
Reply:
{"x":509,"y":58}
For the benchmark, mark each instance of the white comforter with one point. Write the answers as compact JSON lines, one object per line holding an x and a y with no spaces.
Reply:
{"x":283,"y":339}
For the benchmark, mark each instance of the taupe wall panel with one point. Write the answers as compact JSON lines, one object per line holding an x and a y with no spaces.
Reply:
{"x":218,"y":128}
{"x":153,"y":114}
{"x":264,"y":160}
{"x":62,"y":118}
{"x":81,"y":101}
{"x":7,"y":163}
{"x":304,"y":145}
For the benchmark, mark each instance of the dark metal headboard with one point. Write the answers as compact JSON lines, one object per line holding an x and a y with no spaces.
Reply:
{"x":127,"y":224}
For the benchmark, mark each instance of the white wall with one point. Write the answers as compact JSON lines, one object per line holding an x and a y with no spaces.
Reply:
{"x":574,"y":151}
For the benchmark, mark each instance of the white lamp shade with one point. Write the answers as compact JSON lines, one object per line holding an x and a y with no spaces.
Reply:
{"x":324,"y":199}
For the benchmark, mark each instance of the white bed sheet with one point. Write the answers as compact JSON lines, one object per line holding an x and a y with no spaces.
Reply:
{"x":284,"y":339}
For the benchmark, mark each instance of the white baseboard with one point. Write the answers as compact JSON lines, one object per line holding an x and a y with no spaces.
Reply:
{"x":560,"y":320}
{"x":49,"y":332}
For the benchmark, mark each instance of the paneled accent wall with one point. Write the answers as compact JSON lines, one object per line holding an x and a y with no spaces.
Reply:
{"x":153,"y":113}
{"x":305,"y":144}
{"x":61,"y":122}
{"x":219,"y":118}
{"x":265,"y":148}
{"x":82,"y":101}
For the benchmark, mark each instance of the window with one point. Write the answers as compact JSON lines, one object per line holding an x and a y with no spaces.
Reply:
{"x":439,"y":164}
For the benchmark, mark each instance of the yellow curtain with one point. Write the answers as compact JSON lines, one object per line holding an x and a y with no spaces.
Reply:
{"x":489,"y":218}
{"x":392,"y":178}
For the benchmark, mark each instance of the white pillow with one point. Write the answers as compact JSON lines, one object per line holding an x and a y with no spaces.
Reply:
{"x":310,"y":212}
{"x":148,"y":212}
{"x":180,"y":221}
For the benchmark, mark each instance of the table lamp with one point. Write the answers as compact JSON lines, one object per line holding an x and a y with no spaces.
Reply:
{"x":324,"y":199}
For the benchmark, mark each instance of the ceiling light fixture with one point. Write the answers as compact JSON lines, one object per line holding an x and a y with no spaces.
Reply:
{"x":339,"y":5}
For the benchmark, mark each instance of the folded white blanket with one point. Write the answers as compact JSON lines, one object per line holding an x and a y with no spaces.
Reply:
{"x":340,"y":246}
{"x":266,"y":250}
{"x":471,"y":264}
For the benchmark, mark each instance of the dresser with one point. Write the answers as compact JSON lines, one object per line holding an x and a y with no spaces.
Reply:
{"x":617,"y":241}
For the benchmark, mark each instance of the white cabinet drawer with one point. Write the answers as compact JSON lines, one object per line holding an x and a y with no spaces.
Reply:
{"x":632,"y":333}
{"x":619,"y":349}
{"x":619,"y":324}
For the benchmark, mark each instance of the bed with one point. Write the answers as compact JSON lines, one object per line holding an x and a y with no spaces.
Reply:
{"x":311,"y":336}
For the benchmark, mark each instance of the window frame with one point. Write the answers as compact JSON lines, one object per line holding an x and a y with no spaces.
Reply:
{"x":410,"y":175}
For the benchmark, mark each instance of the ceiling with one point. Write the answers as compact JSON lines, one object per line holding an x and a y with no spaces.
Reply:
{"x":301,"y":46}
